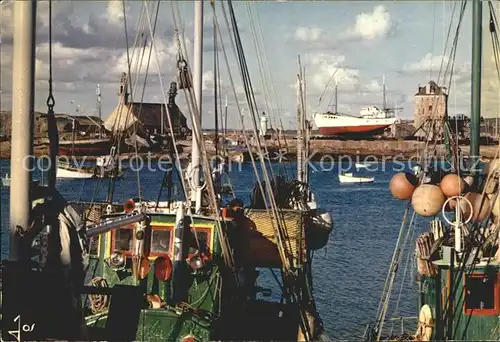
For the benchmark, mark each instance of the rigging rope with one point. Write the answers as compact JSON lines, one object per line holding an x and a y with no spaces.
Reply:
{"x":280,"y":231}
{"x":264,"y":81}
{"x":129,"y":76}
{"x":51,"y":120}
{"x":199,"y":140}
{"x":249,"y":94}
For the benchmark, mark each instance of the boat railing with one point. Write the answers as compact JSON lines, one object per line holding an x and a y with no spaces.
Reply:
{"x":389,"y":329}
{"x":402,"y":320}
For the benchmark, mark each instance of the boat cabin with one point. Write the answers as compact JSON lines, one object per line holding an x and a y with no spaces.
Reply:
{"x":473,"y":310}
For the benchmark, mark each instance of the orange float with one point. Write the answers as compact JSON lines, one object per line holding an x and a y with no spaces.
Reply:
{"x":452,"y":185}
{"x":163,"y":268}
{"x":427,"y":200}
{"x":402,"y":185}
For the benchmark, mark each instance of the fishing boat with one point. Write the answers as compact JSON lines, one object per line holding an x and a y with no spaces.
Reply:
{"x":458,"y":256}
{"x":68,"y":170}
{"x":6,"y":180}
{"x":83,"y":147}
{"x":348,"y":177}
{"x":177,"y":270}
{"x":107,"y":166}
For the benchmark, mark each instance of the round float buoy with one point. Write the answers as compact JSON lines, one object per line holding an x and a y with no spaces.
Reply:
{"x":163,"y":268}
{"x":427,"y":200}
{"x":452,"y":185}
{"x":402,"y":185}
{"x":481,"y":207}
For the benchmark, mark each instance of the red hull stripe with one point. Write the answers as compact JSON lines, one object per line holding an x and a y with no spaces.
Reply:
{"x":350,"y":129}
{"x":67,"y":150}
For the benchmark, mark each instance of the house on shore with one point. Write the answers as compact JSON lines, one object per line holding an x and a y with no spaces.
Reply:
{"x":149,"y":118}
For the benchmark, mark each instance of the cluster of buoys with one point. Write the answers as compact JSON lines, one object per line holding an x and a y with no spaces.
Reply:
{"x":428,"y":199}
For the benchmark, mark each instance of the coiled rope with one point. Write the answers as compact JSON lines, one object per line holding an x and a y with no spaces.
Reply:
{"x":98,"y":302}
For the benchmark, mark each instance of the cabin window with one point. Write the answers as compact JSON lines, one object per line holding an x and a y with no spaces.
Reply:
{"x":204,"y":236}
{"x":123,"y":239}
{"x":482,"y":294}
{"x":161,"y":241}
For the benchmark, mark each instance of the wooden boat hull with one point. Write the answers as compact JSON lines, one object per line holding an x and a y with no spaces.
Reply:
{"x":353,"y":130}
{"x":93,"y":147}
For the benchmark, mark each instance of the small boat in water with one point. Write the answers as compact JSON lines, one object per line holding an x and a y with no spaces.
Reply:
{"x":350,"y":178}
{"x":361,"y":165}
{"x":68,"y":170}
{"x":6,"y":180}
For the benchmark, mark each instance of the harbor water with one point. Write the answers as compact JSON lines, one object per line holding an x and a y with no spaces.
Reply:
{"x":349,"y":273}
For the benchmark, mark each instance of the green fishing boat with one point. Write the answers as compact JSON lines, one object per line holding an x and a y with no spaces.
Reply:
{"x":183,"y":270}
{"x":458,"y":257}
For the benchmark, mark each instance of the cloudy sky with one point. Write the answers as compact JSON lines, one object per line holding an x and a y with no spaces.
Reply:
{"x":361,"y":41}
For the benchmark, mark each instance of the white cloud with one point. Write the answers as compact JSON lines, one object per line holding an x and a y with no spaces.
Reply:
{"x":437,"y":65}
{"x":371,"y":26}
{"x":374,"y":86}
{"x":308,"y":34}
{"x":114,"y":12}
{"x":322,"y":66}
{"x":428,"y":63}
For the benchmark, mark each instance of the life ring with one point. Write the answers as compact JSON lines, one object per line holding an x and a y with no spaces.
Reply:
{"x":461,"y":198}
{"x":425,"y":324}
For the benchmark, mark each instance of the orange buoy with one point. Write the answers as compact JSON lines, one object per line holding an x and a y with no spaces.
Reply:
{"x":452,"y":185}
{"x":163,"y":268}
{"x":481,"y":208}
{"x":427,"y":200}
{"x":402,"y":185}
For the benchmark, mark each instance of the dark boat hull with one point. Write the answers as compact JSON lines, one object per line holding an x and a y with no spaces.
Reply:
{"x":93,"y":147}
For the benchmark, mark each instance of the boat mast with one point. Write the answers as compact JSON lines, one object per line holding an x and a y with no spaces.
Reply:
{"x":99,"y":111}
{"x":22,"y":118}
{"x":477,"y":17}
{"x":300,"y":166}
{"x":197,"y":88}
{"x":384,"y":100}
{"x":305,"y":128}
{"x":336,"y":95}
{"x":225,"y":121}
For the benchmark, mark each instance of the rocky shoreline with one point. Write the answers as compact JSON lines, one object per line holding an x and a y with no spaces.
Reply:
{"x":359,"y":150}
